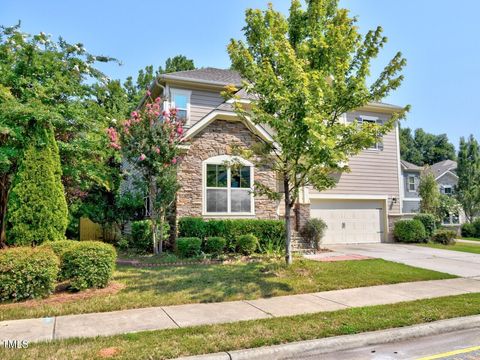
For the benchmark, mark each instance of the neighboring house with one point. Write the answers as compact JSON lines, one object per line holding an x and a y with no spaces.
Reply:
{"x":447,"y":180}
{"x":359,"y":209}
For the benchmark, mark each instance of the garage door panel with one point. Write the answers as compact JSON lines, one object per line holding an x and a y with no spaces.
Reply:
{"x":350,"y":221}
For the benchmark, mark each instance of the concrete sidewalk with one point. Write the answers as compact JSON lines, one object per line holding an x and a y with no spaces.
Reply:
{"x":167,"y":317}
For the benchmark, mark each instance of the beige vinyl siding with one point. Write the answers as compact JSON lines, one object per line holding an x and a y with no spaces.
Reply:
{"x":373,"y":172}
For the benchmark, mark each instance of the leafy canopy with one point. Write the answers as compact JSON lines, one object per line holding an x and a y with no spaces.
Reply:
{"x":305,"y":71}
{"x":423,"y":148}
{"x":468,"y":171}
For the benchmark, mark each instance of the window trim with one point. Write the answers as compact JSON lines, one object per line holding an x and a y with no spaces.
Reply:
{"x":414,"y":183}
{"x":220,"y":160}
{"x":447,"y":187}
{"x":373,"y":119}
{"x":450,"y":220}
{"x":188,"y":94}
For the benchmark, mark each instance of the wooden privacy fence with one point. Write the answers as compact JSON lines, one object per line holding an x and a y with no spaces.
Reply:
{"x":90,"y":230}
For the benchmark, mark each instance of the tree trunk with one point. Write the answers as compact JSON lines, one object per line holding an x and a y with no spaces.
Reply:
{"x":160,"y":240}
{"x":4,"y":189}
{"x":153,"y":218}
{"x":288,"y":223}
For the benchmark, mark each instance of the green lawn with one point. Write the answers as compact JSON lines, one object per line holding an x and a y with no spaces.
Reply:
{"x":167,"y":344}
{"x":145,"y":287}
{"x":470,"y":238}
{"x":464,"y":247}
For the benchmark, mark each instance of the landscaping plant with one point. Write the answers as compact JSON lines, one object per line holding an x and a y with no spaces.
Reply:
{"x":246,"y":244}
{"x":37,"y":209}
{"x":149,"y":141}
{"x":409,"y":231}
{"x":189,"y":246}
{"x":313,"y":231}
{"x":429,"y":221}
{"x":444,"y":236}
{"x":89,"y":264}
{"x":215,"y":245}
{"x":27,"y":273}
{"x":303,"y":73}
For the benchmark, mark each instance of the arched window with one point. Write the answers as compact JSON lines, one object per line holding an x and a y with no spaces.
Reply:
{"x":228,"y":186}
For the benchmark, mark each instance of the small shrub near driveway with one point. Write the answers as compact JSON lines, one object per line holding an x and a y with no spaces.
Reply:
{"x":89,"y":264}
{"x":313,"y":232}
{"x":429,"y":221}
{"x":189,"y":246}
{"x":468,"y":230}
{"x":215,"y":245}
{"x":27,"y":273}
{"x":445,"y":237}
{"x":409,"y":231}
{"x":247,"y":244}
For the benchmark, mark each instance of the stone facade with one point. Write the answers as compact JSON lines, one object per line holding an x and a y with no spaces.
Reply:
{"x":217,"y":139}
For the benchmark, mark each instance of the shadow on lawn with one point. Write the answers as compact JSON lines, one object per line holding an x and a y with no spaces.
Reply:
{"x":204,"y":283}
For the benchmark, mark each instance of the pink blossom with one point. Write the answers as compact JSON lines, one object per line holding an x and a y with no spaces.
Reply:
{"x":142,"y":157}
{"x":148,"y":93}
{"x":158,"y":100}
{"x":157,"y":150}
{"x":180,"y":130}
{"x":134,"y":114}
{"x":174,"y":161}
{"x":115,"y":146}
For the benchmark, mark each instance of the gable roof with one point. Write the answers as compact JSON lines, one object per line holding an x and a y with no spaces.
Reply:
{"x":409,"y":166}
{"x":208,"y":75}
{"x":440,"y":168}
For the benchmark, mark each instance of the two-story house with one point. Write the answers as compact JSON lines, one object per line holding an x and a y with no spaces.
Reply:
{"x":359,"y":209}
{"x":446,"y":178}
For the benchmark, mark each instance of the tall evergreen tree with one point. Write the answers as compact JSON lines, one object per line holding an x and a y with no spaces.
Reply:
{"x":37,"y":209}
{"x":430,"y":194}
{"x":468,"y":171}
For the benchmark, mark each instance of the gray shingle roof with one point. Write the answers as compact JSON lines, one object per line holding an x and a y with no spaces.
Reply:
{"x":443,"y":166}
{"x":409,"y":166}
{"x":207,"y":75}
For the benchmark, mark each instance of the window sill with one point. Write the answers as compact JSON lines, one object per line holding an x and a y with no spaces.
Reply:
{"x":228,"y":215}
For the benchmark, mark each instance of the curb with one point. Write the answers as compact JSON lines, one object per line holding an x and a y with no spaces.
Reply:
{"x":345,"y":342}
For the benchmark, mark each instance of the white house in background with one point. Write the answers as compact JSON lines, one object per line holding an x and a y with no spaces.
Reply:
{"x":445,"y":173}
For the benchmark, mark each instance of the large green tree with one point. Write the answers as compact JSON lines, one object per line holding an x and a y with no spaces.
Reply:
{"x":306,"y":71}
{"x":47,"y":83}
{"x":468,"y":171}
{"x":422,"y":148}
{"x":430,"y":194}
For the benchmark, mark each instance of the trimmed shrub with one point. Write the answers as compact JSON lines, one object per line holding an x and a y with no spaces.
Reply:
{"x":468,"y":230}
{"x":59,"y":248}
{"x":445,"y":237}
{"x":141,"y":237}
{"x":409,"y":231}
{"x":89,"y":264}
{"x":27,"y":273}
{"x":429,"y":222}
{"x":247,"y":244}
{"x":267,"y":231}
{"x":191,"y":227}
{"x":215,"y":245}
{"x":313,"y":231}
{"x":37,"y":209}
{"x":189,"y":246}
{"x":476,"y":224}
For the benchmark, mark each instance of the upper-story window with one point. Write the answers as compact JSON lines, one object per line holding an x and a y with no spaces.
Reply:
{"x":412,"y":184}
{"x":180,"y":99}
{"x":373,"y":120}
{"x":447,"y":189}
{"x":228,"y":186}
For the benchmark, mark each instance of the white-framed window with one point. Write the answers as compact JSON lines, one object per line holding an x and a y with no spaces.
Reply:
{"x":374,"y":120}
{"x":412,"y":183}
{"x":228,"y":186}
{"x":180,"y":99}
{"x":451,"y":219}
{"x":447,"y":189}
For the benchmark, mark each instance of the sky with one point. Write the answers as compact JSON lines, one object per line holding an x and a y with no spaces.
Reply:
{"x":440,"y":40}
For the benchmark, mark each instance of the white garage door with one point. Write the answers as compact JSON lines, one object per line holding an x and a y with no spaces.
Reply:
{"x":350,"y":221}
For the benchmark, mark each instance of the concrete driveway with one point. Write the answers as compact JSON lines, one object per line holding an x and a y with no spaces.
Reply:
{"x":452,"y":262}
